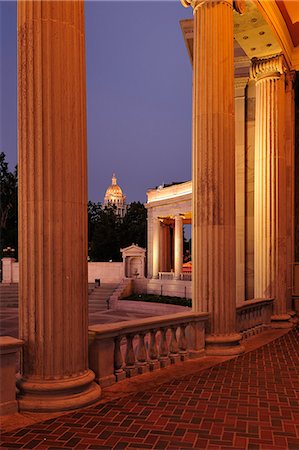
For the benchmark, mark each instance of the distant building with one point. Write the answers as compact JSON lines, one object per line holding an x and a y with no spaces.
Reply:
{"x":114,"y":197}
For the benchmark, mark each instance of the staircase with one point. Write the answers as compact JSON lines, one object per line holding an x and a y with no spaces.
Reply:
{"x":9,"y":294}
{"x":97,"y":295}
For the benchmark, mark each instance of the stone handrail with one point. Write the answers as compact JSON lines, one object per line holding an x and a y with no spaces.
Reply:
{"x":166,"y":275}
{"x":184,"y":276}
{"x":128,"y":348}
{"x":187,"y":276}
{"x":254,"y":316}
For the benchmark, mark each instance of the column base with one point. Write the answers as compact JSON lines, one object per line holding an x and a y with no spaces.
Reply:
{"x":294,"y":318}
{"x":281,"y":321}
{"x":9,"y":407}
{"x":224,"y":345}
{"x":40,"y":395}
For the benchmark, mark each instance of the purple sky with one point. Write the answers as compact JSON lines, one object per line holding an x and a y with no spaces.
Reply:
{"x":139,"y":82}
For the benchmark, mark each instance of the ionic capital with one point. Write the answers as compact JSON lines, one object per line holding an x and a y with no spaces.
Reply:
{"x":198,"y":3}
{"x":239,"y":6}
{"x":290,"y":80}
{"x":272,"y":67}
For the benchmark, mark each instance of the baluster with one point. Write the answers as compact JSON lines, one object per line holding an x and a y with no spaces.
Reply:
{"x":173,"y":347}
{"x":163,"y":349}
{"x":130,"y":367}
{"x":153,"y":352}
{"x":118,"y":360}
{"x":183,"y":342}
{"x":142,"y":365}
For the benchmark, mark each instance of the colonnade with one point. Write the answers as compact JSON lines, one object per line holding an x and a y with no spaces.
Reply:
{"x":213,"y":177}
{"x":53,"y":194}
{"x":168,"y":246}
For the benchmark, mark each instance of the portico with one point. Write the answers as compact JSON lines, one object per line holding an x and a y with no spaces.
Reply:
{"x":169,"y":208}
{"x":55,"y":372}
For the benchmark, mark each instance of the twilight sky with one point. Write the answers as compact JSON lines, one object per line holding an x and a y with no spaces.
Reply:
{"x":139,"y":82}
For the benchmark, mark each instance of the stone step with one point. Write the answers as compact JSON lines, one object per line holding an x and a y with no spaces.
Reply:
{"x":98,"y":296}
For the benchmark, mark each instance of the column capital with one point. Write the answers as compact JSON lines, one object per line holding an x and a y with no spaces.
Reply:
{"x":240,"y":86}
{"x":290,"y":80}
{"x":263,"y":68}
{"x":198,"y":3}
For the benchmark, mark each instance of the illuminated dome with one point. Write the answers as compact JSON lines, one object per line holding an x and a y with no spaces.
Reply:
{"x":114,"y":190}
{"x":114,"y":196}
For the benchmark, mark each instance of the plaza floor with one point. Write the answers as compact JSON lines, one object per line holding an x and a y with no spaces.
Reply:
{"x":248,"y":402}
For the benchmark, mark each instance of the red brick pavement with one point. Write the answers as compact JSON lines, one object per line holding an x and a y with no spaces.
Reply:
{"x":249,"y":402}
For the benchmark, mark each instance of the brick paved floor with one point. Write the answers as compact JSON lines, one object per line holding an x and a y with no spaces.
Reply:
{"x":249,"y":402}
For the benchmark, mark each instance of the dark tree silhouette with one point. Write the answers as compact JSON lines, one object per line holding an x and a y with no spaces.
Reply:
{"x":8,"y":206}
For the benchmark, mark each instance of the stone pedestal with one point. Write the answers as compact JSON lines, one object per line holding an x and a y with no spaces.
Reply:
{"x":213,"y":174}
{"x":270,"y":187}
{"x":7,"y":271}
{"x":178,"y":246}
{"x":53,"y":207}
{"x":9,"y":349}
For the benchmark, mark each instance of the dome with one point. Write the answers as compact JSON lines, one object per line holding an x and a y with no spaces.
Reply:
{"x":114,"y":194}
{"x":114,"y":190}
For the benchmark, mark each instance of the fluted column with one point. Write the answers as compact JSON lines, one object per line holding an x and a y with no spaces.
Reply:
{"x":213,"y":174}
{"x":240,"y":87}
{"x":53,"y":207}
{"x":178,"y":246}
{"x":290,"y":164}
{"x":156,"y":247}
{"x":270,"y":187}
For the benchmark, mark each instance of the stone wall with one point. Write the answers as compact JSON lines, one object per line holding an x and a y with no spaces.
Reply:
{"x":105,"y":271}
{"x":163,"y":287}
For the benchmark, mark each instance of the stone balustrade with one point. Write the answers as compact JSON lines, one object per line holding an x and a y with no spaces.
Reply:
{"x":125,"y":349}
{"x":254,"y":317}
{"x":171,"y":276}
{"x":9,"y":349}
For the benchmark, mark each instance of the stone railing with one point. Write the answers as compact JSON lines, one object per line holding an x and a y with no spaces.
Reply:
{"x":125,"y":349}
{"x":124,"y":289}
{"x":166,"y":275}
{"x":253,"y":317}
{"x":187,"y":276}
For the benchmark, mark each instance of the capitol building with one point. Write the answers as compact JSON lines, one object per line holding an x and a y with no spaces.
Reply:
{"x":114,"y":197}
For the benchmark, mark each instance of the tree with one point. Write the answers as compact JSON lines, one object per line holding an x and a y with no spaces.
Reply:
{"x":108,"y":233}
{"x":134,"y":226}
{"x":104,"y":244}
{"x":8,"y":205}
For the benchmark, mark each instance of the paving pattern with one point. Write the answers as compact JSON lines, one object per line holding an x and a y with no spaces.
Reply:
{"x":250,"y":402}
{"x":9,"y":322}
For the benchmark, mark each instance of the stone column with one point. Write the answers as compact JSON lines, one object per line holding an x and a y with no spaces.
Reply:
{"x":162,"y":248}
{"x":167,"y":248}
{"x":213,"y":174}
{"x":270,"y":187}
{"x":178,"y":246}
{"x":240,"y":86}
{"x":290,"y":167}
{"x":53,"y":207}
{"x":156,"y":247}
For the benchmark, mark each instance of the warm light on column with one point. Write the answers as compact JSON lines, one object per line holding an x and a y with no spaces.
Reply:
{"x":156,"y":247}
{"x":270,"y":187}
{"x":213,"y":174}
{"x":178,"y":246}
